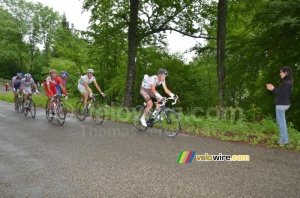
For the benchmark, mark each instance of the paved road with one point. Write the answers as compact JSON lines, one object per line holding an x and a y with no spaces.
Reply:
{"x":80,"y":159}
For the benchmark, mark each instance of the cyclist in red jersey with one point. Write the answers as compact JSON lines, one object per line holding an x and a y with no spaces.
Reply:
{"x":50,"y":88}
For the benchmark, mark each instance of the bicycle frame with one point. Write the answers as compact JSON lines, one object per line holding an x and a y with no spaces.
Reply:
{"x":161,"y":109}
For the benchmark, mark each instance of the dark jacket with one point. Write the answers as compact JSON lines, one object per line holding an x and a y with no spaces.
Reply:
{"x":283,"y":92}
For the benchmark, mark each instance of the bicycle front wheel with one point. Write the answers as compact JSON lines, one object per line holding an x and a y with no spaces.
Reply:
{"x":20,"y":105}
{"x":97,"y":113}
{"x":32,"y":109}
{"x":25,"y":110}
{"x":137,"y":114}
{"x":61,"y":114}
{"x":47,"y":112}
{"x":80,"y":111}
{"x":170,"y":122}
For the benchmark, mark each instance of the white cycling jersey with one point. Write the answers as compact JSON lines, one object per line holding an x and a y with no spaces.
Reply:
{"x":27,"y":84}
{"x":148,"y":80}
{"x":81,"y":81}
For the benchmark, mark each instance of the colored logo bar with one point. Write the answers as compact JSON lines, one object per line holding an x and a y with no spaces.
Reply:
{"x":186,"y":157}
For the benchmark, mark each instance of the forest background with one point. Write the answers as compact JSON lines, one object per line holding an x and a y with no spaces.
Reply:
{"x":261,"y":37}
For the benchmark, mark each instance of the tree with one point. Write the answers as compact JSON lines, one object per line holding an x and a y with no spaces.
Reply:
{"x":145,"y":21}
{"x":221,"y":40}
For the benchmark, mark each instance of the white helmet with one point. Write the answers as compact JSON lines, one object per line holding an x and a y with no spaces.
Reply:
{"x":90,"y":71}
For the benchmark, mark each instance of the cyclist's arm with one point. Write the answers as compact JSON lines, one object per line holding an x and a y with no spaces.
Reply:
{"x":166,"y":89}
{"x":34,"y":85}
{"x":97,"y":86}
{"x":62,"y":88}
{"x":22,"y":86}
{"x":153,"y":89}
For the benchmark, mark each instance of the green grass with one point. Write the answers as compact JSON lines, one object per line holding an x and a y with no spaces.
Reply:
{"x":263,"y":133}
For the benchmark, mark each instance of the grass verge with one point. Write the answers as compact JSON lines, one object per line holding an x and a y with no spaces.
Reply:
{"x":264,"y":133}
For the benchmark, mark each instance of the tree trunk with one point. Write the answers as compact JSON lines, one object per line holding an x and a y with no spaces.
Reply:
{"x":221,"y":38}
{"x":132,"y":52}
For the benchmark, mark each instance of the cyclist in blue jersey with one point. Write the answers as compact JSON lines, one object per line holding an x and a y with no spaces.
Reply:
{"x":16,"y":85}
{"x":63,"y":78}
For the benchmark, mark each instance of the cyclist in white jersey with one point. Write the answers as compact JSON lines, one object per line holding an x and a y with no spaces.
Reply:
{"x":84,"y":89}
{"x":148,"y":91}
{"x":27,"y":82}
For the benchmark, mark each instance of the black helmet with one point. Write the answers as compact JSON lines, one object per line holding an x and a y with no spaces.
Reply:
{"x":162,"y":71}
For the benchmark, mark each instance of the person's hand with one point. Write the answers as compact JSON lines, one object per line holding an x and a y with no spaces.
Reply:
{"x":270,"y":87}
{"x":103,"y":94}
{"x":91,"y":95}
{"x":14,"y":89}
{"x":36,"y":91}
{"x":175,"y":97}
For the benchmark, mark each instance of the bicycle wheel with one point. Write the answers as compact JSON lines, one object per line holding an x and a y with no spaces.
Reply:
{"x":32,"y":108}
{"x":137,"y":114}
{"x":20,"y":106}
{"x":25,"y":110}
{"x":47,"y":112}
{"x":170,"y":122}
{"x":61,"y":115}
{"x":97,"y":113}
{"x":80,"y":111}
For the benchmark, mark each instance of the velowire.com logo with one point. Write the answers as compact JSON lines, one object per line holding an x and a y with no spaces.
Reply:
{"x":188,"y":156}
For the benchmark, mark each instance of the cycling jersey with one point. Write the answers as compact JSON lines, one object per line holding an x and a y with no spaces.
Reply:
{"x":148,"y":80}
{"x":81,"y":87}
{"x":52,"y":84}
{"x":27,"y":84}
{"x":63,"y":82}
{"x":17,"y":82}
{"x":86,"y":79}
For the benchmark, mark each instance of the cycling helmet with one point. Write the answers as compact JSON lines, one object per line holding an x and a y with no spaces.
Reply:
{"x":52,"y":71}
{"x":90,"y":71}
{"x":27,"y":76}
{"x":20,"y":74}
{"x":64,"y":74}
{"x":162,"y":71}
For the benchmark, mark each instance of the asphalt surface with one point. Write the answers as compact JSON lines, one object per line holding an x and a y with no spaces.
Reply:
{"x":80,"y":159}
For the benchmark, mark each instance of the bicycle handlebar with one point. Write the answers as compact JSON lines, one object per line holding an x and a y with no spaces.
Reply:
{"x":169,"y":98}
{"x":60,"y":95}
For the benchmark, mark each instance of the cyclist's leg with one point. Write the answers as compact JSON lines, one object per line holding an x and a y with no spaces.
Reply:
{"x":15,"y":96}
{"x":85,"y":98}
{"x":147,"y":94}
{"x":84,"y":94}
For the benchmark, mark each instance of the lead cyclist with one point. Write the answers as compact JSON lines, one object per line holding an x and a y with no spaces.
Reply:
{"x":148,"y":91}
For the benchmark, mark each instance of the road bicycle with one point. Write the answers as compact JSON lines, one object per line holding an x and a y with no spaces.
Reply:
{"x":19,"y":104}
{"x":30,"y":106}
{"x":94,"y":109}
{"x":168,"y":119}
{"x":58,"y":109}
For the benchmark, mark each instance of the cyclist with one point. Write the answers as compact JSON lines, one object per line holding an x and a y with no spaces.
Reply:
{"x":16,"y":84}
{"x":148,"y":91}
{"x":27,"y":82}
{"x":85,"y":90}
{"x":50,"y":88}
{"x":63,"y":78}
